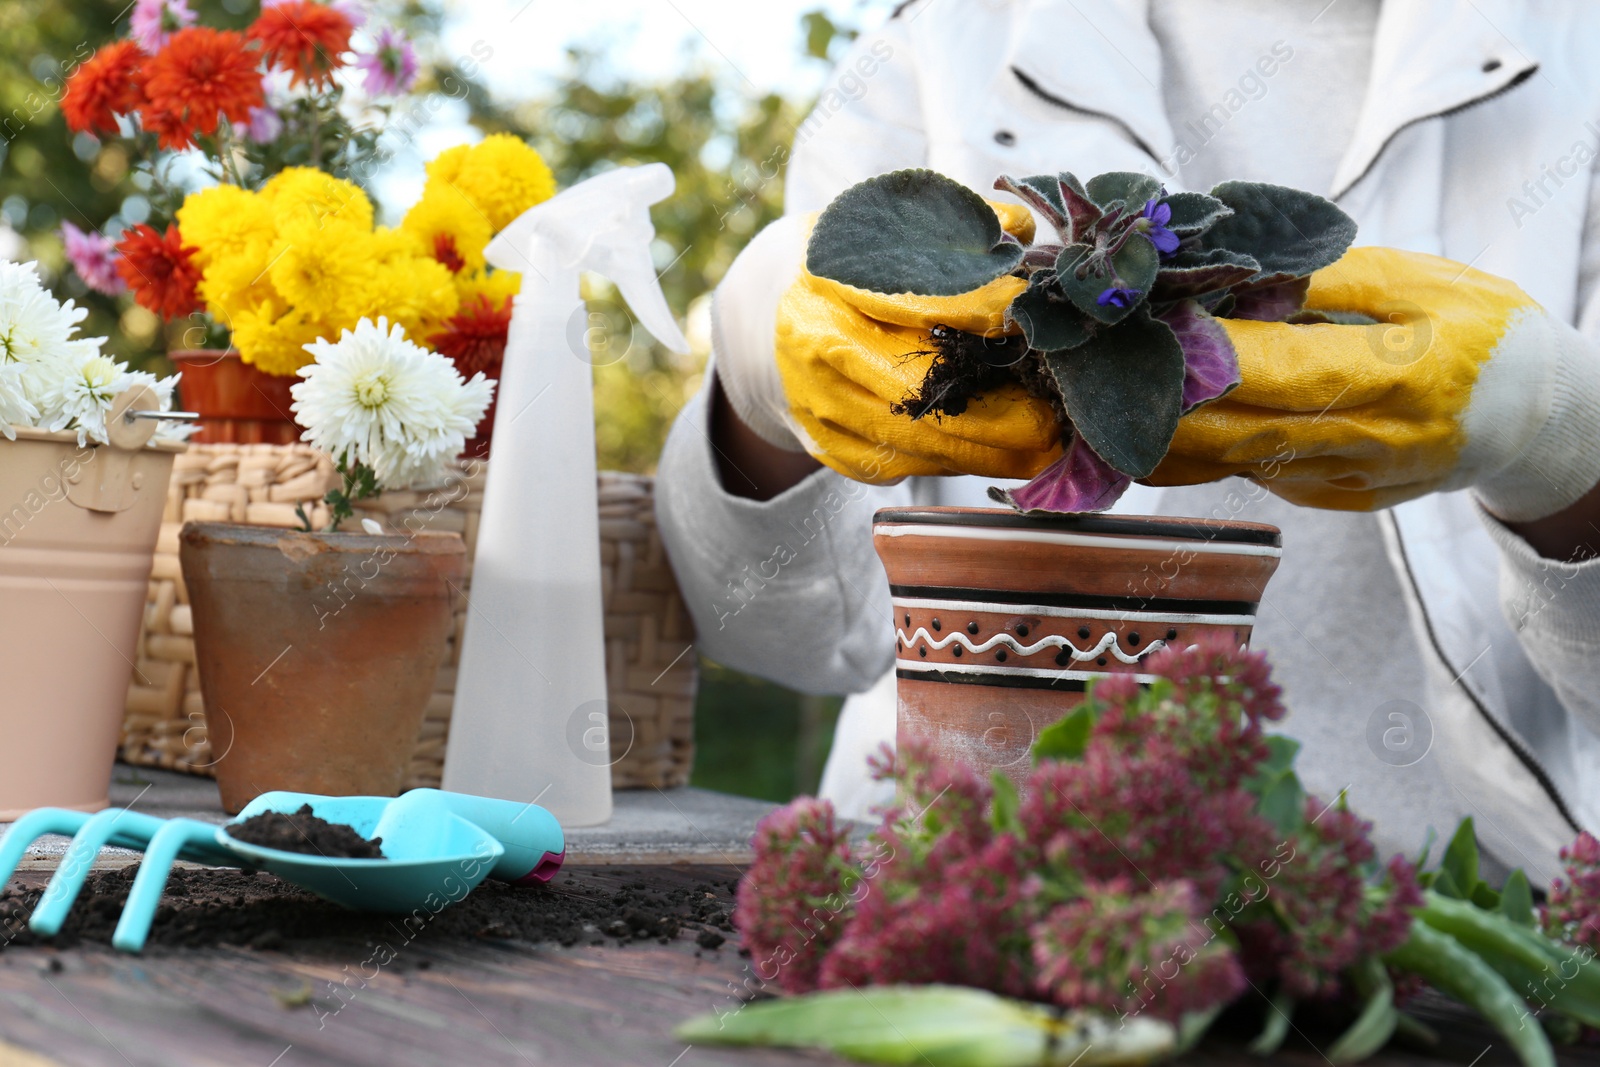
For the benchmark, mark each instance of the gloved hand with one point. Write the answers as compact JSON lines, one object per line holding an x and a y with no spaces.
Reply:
{"x":826,"y":378}
{"x":1466,"y":381}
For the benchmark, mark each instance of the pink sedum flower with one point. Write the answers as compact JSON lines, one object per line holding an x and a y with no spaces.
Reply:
{"x":1572,"y":912}
{"x":153,"y":22}
{"x":391,"y":66}
{"x":94,"y":256}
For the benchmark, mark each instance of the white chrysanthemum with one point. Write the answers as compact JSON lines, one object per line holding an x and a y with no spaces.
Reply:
{"x":388,"y":403}
{"x":15,"y":407}
{"x":36,"y":331}
{"x":80,"y":401}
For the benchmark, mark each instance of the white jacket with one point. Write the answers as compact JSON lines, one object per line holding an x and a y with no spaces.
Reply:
{"x":1476,"y":141}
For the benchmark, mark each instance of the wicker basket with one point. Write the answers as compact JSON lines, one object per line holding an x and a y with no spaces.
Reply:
{"x":649,"y":666}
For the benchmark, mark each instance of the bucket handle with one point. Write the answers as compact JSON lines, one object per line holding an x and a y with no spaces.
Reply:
{"x":109,"y":483}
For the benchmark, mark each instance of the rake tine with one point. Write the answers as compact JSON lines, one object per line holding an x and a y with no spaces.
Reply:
{"x":130,"y":827}
{"x":28,"y":829}
{"x":134,"y":925}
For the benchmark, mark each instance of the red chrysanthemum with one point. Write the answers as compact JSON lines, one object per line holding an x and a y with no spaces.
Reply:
{"x":160,"y":270}
{"x":475,"y":340}
{"x":309,"y":39}
{"x":108,"y":84}
{"x":200,"y":77}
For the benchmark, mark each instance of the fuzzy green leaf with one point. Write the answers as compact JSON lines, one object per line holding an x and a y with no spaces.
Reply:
{"x":1287,"y":231}
{"x":1130,"y":187}
{"x":1123,"y":390}
{"x":1194,"y":213}
{"x":1080,"y":209}
{"x":910,"y":231}
{"x":1048,"y":321}
{"x":1195,"y":273}
{"x":937,"y":1026}
{"x":1066,"y":739}
{"x":1133,"y":267}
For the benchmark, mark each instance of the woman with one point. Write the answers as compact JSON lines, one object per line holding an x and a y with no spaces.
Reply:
{"x":1436,"y":619}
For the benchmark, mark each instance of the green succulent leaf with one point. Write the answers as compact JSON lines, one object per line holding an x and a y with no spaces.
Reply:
{"x":1003,"y":810}
{"x":1130,"y":187}
{"x":1124,"y":391}
{"x":1067,"y":738}
{"x":1048,"y":320}
{"x":1194,"y":213}
{"x":1460,"y":859}
{"x":1516,"y":900}
{"x":1287,"y":231}
{"x":1284,"y":803}
{"x":910,"y":231}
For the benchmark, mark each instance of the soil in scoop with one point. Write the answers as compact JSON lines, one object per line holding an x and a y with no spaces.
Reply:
{"x":305,"y":832}
{"x":205,"y":907}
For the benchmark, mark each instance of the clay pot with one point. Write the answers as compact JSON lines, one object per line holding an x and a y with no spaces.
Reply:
{"x":1001,"y":618}
{"x":78,"y":529}
{"x":317,"y":652}
{"x":238,"y":404}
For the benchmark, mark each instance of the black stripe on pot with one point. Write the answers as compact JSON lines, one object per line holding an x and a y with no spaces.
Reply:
{"x":1158,"y":605}
{"x":1087,"y":524}
{"x":1002,"y":681}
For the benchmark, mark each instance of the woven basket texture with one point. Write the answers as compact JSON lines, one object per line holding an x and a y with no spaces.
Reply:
{"x":650,"y":666}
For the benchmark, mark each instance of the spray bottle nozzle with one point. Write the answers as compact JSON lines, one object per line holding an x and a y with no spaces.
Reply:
{"x":601,"y":224}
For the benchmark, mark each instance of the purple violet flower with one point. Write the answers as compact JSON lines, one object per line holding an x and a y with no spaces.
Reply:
{"x":154,"y":21}
{"x":1117,"y":297}
{"x":94,"y":256}
{"x":391,"y":67}
{"x":265,"y":125}
{"x":1157,"y":213}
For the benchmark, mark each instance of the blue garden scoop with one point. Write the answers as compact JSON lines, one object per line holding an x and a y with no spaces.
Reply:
{"x":437,"y":847}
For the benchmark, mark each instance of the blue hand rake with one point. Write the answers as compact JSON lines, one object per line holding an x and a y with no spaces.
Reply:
{"x":437,"y":847}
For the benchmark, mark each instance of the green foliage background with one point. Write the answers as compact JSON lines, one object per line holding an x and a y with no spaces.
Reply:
{"x":726,"y":146}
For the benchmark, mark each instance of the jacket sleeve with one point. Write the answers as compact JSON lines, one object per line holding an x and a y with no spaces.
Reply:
{"x":789,"y":589}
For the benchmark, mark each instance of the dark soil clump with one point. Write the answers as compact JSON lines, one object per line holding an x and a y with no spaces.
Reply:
{"x":964,"y":367}
{"x":306,"y":833}
{"x":206,"y":907}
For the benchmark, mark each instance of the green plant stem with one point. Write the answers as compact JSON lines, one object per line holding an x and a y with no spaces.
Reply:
{"x":1448,"y":966}
{"x":1280,"y":1010}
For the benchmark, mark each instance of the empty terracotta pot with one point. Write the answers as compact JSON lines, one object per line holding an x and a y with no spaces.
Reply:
{"x":1001,"y":618}
{"x":317,"y":652}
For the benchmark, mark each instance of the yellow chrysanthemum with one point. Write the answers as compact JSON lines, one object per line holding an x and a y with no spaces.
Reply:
{"x":503,"y":176}
{"x":225,"y":222}
{"x":274,"y":339}
{"x":233,"y":283}
{"x":496,"y":285}
{"x":447,"y":164}
{"x":449,"y":226}
{"x":322,"y":271}
{"x":417,"y":293}
{"x":392,"y":245}
{"x":301,"y":195}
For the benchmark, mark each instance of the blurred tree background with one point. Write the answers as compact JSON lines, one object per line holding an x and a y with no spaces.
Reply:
{"x":727,"y":146}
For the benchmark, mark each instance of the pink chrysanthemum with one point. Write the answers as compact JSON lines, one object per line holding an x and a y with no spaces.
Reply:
{"x":153,"y":22}
{"x":94,"y":256}
{"x":265,"y":125}
{"x":1128,"y":952}
{"x":391,"y":66}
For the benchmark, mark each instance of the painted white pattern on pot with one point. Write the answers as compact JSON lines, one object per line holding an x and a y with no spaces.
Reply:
{"x":1052,"y":537}
{"x":1108,"y":643}
{"x":1170,"y":617}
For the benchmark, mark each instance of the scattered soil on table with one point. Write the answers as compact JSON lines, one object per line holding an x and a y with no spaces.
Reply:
{"x":304,"y":832}
{"x":204,"y":907}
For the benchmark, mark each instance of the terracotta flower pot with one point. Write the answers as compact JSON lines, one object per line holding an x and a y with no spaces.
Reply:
{"x":317,"y":653}
{"x":1000,"y":618}
{"x":238,"y":404}
{"x":77,"y":532}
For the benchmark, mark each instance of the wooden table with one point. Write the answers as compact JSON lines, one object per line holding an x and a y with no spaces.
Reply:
{"x":463,"y":1000}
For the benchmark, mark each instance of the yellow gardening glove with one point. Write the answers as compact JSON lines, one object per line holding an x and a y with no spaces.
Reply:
{"x":1466,"y":381}
{"x":846,"y":356}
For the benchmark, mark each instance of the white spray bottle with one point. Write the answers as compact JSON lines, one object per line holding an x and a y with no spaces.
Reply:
{"x":530,"y":716}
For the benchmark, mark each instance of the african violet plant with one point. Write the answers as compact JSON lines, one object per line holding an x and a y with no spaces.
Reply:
{"x":1118,"y":325}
